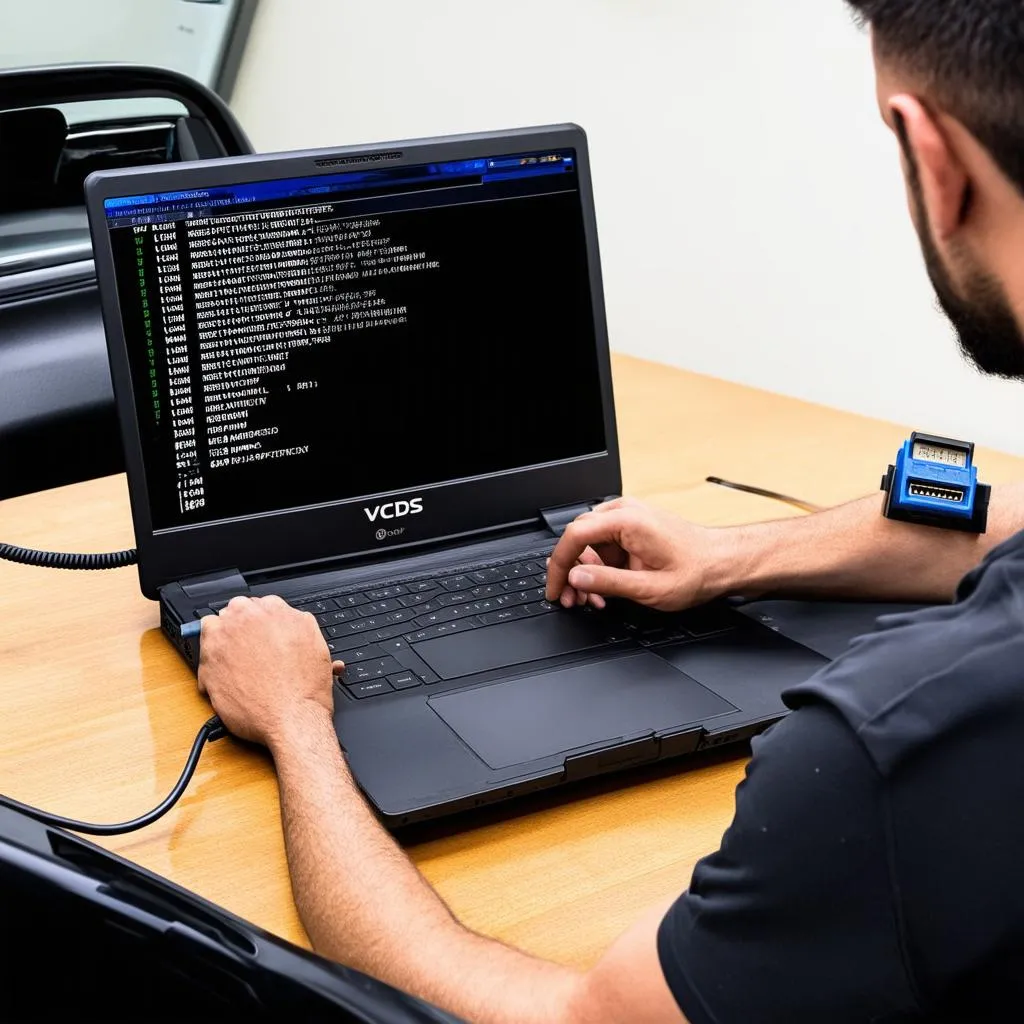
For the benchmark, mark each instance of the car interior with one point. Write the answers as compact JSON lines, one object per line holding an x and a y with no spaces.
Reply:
{"x":57,"y":125}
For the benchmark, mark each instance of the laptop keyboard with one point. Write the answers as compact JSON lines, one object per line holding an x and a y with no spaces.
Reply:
{"x":374,"y":631}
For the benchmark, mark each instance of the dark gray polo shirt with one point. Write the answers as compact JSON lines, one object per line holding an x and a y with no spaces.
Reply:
{"x":874,"y":870}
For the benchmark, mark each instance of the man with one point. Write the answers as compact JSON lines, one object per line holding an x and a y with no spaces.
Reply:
{"x":871,"y":871}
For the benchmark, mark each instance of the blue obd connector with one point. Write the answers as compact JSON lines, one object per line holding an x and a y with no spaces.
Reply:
{"x":935,"y":483}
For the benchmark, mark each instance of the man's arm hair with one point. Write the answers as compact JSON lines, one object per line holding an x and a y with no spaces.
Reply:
{"x":365,"y":904}
{"x":854,"y":552}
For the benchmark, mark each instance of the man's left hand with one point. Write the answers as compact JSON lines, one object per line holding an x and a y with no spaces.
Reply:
{"x":263,"y":664}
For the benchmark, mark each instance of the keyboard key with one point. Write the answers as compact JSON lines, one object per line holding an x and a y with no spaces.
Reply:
{"x":352,"y":600}
{"x":429,"y":677}
{"x":460,"y":597}
{"x":420,"y":597}
{"x":402,"y":615}
{"x":423,"y":587}
{"x":522,"y":583}
{"x":366,"y":653}
{"x":393,"y":646}
{"x":404,"y":680}
{"x":442,"y":629}
{"x":491,"y":590}
{"x":502,"y":615}
{"x":397,"y":629}
{"x":333,"y":618}
{"x":511,"y":571}
{"x":528,"y":596}
{"x":428,"y":606}
{"x":340,"y":645}
{"x":443,"y":615}
{"x":455,"y":626}
{"x":385,"y":593}
{"x":485,"y":575}
{"x":379,"y":607}
{"x":479,"y":607}
{"x":348,"y":628}
{"x":536,"y":567}
{"x":457,"y":583}
{"x":370,"y":689}
{"x":362,"y":671}
{"x":539,"y":608}
{"x":317,"y":607}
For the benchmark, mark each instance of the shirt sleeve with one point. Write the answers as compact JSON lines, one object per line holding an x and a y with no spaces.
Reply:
{"x":793,"y":919}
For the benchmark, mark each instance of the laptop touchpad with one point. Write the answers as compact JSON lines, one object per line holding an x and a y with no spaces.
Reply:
{"x":556,"y":712}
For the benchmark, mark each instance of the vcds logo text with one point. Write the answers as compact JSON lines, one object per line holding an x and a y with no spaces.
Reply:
{"x":395,"y":510}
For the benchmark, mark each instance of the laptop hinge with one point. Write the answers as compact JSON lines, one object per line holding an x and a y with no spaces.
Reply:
{"x":210,"y":586}
{"x":635,"y":750}
{"x":557,"y":519}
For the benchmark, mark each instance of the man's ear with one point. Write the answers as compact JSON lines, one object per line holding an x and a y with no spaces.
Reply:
{"x":944,"y":183}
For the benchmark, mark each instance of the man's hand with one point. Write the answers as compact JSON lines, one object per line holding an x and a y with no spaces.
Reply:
{"x":627,"y":549}
{"x":262,"y":665}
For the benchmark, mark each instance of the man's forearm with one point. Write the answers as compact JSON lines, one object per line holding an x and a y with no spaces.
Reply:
{"x":853,"y":551}
{"x":364,"y":904}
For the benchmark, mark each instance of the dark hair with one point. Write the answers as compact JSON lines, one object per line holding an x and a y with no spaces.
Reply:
{"x":969,"y":58}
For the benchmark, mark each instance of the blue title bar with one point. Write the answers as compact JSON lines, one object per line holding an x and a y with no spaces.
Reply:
{"x":461,"y":172}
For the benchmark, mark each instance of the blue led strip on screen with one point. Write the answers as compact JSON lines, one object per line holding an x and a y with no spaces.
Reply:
{"x":489,"y":169}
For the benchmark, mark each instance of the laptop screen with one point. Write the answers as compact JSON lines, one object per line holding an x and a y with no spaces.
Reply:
{"x":303,"y":341}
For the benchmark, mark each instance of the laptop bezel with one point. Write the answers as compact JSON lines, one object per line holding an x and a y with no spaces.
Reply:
{"x":313,"y":535}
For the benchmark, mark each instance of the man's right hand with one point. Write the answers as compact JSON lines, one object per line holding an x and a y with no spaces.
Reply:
{"x":627,"y":549}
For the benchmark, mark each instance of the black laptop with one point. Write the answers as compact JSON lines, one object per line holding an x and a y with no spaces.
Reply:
{"x":376,"y":382}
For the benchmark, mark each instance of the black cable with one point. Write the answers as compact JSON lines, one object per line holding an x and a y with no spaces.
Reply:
{"x":806,"y":506}
{"x":65,"y":560}
{"x":211,"y":730}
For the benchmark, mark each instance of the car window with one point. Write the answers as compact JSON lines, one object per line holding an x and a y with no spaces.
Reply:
{"x":190,"y":36}
{"x":41,"y":228}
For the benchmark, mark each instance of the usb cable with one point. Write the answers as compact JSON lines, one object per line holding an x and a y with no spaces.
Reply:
{"x":212,"y":730}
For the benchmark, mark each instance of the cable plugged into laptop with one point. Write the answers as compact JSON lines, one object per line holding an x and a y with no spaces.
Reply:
{"x":67,"y":560}
{"x":212,"y":730}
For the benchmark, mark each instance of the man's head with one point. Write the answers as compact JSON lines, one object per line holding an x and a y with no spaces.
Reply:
{"x":951,"y":86}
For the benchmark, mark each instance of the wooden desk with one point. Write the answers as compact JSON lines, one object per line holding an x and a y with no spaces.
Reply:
{"x":98,"y":712}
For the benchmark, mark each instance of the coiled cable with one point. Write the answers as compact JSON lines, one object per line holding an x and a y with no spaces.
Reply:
{"x":67,"y":560}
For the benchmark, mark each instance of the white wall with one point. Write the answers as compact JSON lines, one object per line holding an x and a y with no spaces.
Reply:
{"x":769,"y":244}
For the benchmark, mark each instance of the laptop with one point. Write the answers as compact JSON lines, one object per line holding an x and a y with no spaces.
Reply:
{"x":376,"y":382}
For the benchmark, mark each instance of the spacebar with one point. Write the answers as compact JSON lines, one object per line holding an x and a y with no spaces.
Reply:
{"x":511,"y":643}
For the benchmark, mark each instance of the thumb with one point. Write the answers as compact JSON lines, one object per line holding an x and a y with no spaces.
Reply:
{"x":633,"y":585}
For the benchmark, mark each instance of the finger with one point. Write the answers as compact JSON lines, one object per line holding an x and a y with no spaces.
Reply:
{"x":605,"y":581}
{"x":617,"y":503}
{"x":587,"y":531}
{"x":589,"y":557}
{"x":598,"y":602}
{"x":272,"y":602}
{"x":239,"y":604}
{"x":567,"y":598}
{"x":337,"y":667}
{"x":209,"y":626}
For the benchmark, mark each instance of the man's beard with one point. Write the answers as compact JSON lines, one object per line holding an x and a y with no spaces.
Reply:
{"x":979,"y":310}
